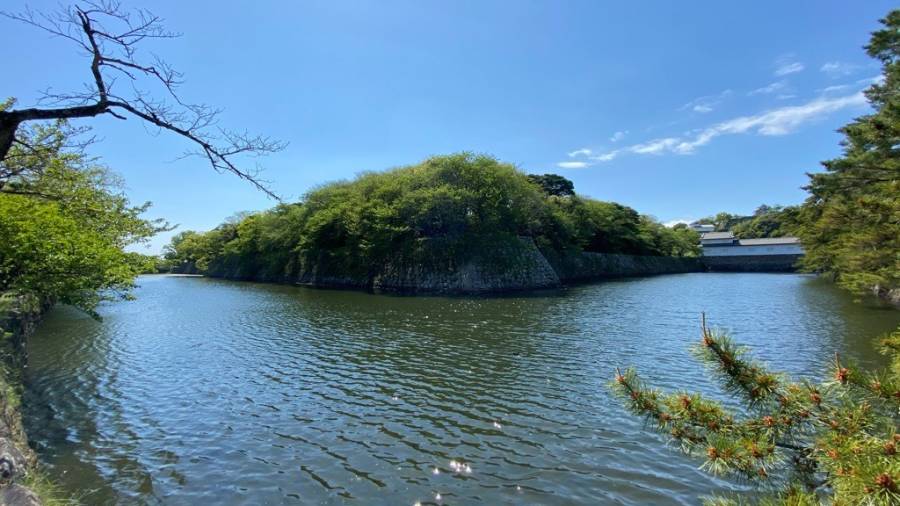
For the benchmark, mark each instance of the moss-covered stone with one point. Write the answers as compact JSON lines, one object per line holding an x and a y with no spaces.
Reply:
{"x":499,"y":266}
{"x":19,"y":314}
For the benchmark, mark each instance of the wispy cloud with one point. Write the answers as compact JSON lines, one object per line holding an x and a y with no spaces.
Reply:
{"x":605,"y":157}
{"x":837,"y":69}
{"x":780,"y":121}
{"x":834,"y":89}
{"x":789,"y":68}
{"x":580,"y":152}
{"x":572,"y":165}
{"x":879,"y":79}
{"x":588,"y":153}
{"x":706,"y":103}
{"x":654,"y":147}
{"x":777,"y":86}
{"x":787,"y":64}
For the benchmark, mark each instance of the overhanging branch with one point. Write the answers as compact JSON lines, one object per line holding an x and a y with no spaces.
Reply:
{"x":111,"y":36}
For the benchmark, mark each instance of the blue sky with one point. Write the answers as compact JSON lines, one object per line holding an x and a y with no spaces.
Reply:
{"x":678,"y":109}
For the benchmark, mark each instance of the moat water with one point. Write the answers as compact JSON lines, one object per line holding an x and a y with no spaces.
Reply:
{"x":213,"y":392}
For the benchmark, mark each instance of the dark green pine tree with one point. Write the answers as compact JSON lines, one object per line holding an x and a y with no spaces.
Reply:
{"x":803,"y":443}
{"x":850,"y":224}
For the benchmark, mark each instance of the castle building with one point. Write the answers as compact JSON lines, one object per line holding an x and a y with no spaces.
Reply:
{"x":722,"y":251}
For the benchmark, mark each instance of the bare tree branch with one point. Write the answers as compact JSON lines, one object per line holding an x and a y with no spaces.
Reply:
{"x":111,"y":37}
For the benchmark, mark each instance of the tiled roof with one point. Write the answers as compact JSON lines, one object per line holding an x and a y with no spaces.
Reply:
{"x":716,"y":235}
{"x":769,"y":241}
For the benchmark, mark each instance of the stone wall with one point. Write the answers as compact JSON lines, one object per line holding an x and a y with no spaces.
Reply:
{"x":514,"y":266}
{"x":19,"y":315}
{"x":508,"y":266}
{"x":591,"y":266}
{"x":752,"y":263}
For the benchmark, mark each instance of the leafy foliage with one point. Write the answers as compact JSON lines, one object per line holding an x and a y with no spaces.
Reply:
{"x":775,"y":221}
{"x":851,"y":221}
{"x":444,"y":210}
{"x":805,"y":440}
{"x":553,"y":184}
{"x":65,"y":225}
{"x":723,"y":221}
{"x":766,"y":221}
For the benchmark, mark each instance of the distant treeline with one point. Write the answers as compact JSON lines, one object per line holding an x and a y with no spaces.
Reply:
{"x":454,"y":206}
{"x":766,"y":221}
{"x":849,"y":224}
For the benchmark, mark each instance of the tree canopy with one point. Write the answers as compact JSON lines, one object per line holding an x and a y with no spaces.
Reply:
{"x":553,"y":184}
{"x":66,"y":224}
{"x":766,"y":221}
{"x":450,"y":206}
{"x":850,"y":224}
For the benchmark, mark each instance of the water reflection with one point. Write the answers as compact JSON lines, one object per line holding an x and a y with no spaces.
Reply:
{"x":228,"y":393}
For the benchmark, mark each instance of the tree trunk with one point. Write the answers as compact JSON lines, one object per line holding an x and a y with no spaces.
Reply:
{"x":8,"y":126}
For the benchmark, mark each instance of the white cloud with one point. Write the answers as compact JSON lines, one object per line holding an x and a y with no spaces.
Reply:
{"x":837,"y":69}
{"x":780,"y":121}
{"x":572,"y":165}
{"x":654,"y":147}
{"x":879,"y":79}
{"x":835,"y":88}
{"x":706,"y":103}
{"x":787,"y":64}
{"x":616,"y":137}
{"x":580,"y":152}
{"x":787,"y":119}
{"x":771,"y":88}
{"x":672,"y":223}
{"x":789,"y":68}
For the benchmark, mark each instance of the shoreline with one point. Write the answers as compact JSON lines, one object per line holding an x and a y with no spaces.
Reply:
{"x":19,"y":476}
{"x":512,"y":267}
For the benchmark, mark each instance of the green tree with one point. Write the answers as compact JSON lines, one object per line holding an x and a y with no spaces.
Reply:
{"x":615,"y":229}
{"x":443,"y":211}
{"x":458,"y":201}
{"x":723,"y":221}
{"x":677,"y":241}
{"x":65,"y":224}
{"x":553,"y":184}
{"x":768,"y":221}
{"x":187,"y":252}
{"x":851,"y":221}
{"x":833,"y":442}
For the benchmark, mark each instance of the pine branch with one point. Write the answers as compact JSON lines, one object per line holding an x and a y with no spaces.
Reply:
{"x":740,"y":376}
{"x":703,"y":429}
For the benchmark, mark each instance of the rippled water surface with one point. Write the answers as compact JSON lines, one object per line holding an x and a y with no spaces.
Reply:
{"x":213,"y":392}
